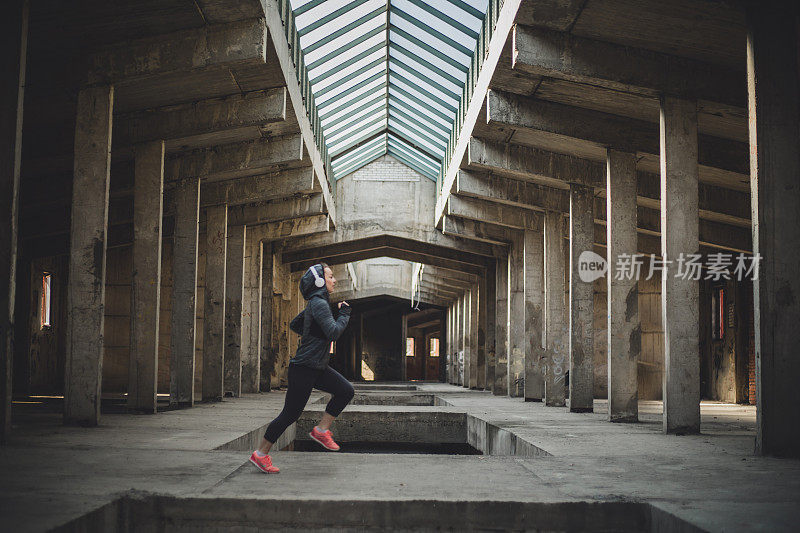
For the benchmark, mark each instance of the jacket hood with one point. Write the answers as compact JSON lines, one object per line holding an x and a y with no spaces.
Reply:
{"x":307,"y":286}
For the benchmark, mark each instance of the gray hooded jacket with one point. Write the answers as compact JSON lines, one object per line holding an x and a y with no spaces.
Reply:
{"x":316,"y":324}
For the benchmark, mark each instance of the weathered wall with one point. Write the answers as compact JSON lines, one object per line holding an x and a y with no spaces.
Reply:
{"x":651,"y":361}
{"x":385,"y":195}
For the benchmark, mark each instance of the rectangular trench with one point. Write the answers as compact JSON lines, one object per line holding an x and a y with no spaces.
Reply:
{"x":145,"y":512}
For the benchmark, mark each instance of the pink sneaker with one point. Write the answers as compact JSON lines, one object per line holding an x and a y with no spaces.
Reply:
{"x":325,"y":438}
{"x":264,"y":463}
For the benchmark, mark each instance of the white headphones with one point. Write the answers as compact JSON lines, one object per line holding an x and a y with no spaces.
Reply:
{"x":318,"y":281}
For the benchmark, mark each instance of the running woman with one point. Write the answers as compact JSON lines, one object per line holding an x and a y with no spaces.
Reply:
{"x":309,"y":369}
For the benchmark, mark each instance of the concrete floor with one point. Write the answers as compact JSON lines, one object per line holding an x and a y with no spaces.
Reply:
{"x":50,"y":474}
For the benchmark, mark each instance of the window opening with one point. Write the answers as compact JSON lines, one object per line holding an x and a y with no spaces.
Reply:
{"x":410,"y":347}
{"x":434,"y":347}
{"x":47,"y":280}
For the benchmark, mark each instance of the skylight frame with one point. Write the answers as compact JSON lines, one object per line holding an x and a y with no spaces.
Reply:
{"x":428,"y":49}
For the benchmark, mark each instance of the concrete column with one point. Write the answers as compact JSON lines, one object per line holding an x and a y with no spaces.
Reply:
{"x":184,"y":292}
{"x":680,"y":298}
{"x":480,"y":371}
{"x":472,"y":383}
{"x":556,"y":323}
{"x":234,"y":280}
{"x":148,"y":208}
{"x":214,"y":320}
{"x":251,"y":313}
{"x":491,"y":310}
{"x":517,"y":342}
{"x":86,"y":293}
{"x":773,"y":80}
{"x":501,"y":328}
{"x":269,"y":355}
{"x":463,"y":337}
{"x":452,"y":365}
{"x":624,"y":328}
{"x":581,"y":301}
{"x":534,"y":316}
{"x":13,"y":57}
{"x":450,"y":343}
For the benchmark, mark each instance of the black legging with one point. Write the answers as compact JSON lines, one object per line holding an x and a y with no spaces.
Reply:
{"x":301,"y":380}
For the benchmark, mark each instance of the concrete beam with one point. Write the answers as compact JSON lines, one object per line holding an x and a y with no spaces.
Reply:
{"x":177,"y":124}
{"x":494,"y":213}
{"x":604,"y":129}
{"x":560,"y":55}
{"x":428,"y":253}
{"x":525,"y":162}
{"x":238,"y":160}
{"x":263,"y":188}
{"x":476,"y":230}
{"x":444,"y":290}
{"x":262,"y":212}
{"x":83,"y":372}
{"x":558,"y":171}
{"x":510,"y":192}
{"x":295,"y":227}
{"x":455,"y":275}
{"x":238,"y":43}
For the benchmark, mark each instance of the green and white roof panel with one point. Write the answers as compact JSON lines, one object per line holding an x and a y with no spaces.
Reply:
{"x":387,"y":75}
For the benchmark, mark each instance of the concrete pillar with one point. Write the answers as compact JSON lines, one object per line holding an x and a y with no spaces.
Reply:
{"x":234,"y":279}
{"x":581,"y":301}
{"x":491,"y":309}
{"x":624,"y":328}
{"x":517,"y":342}
{"x":269,"y":355}
{"x":680,"y":305}
{"x":501,"y":328}
{"x":184,"y":292}
{"x":472,"y":383}
{"x":214,"y":319}
{"x":480,"y":363}
{"x":86,"y":293}
{"x":448,"y":346}
{"x":13,"y":58}
{"x":534,"y":316}
{"x":773,"y":79}
{"x":556,"y":323}
{"x":450,"y":343}
{"x":251,"y":313}
{"x":148,"y":208}
{"x":463,"y":339}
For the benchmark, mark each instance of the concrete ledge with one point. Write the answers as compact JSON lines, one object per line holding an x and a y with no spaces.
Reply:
{"x":146,"y":512}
